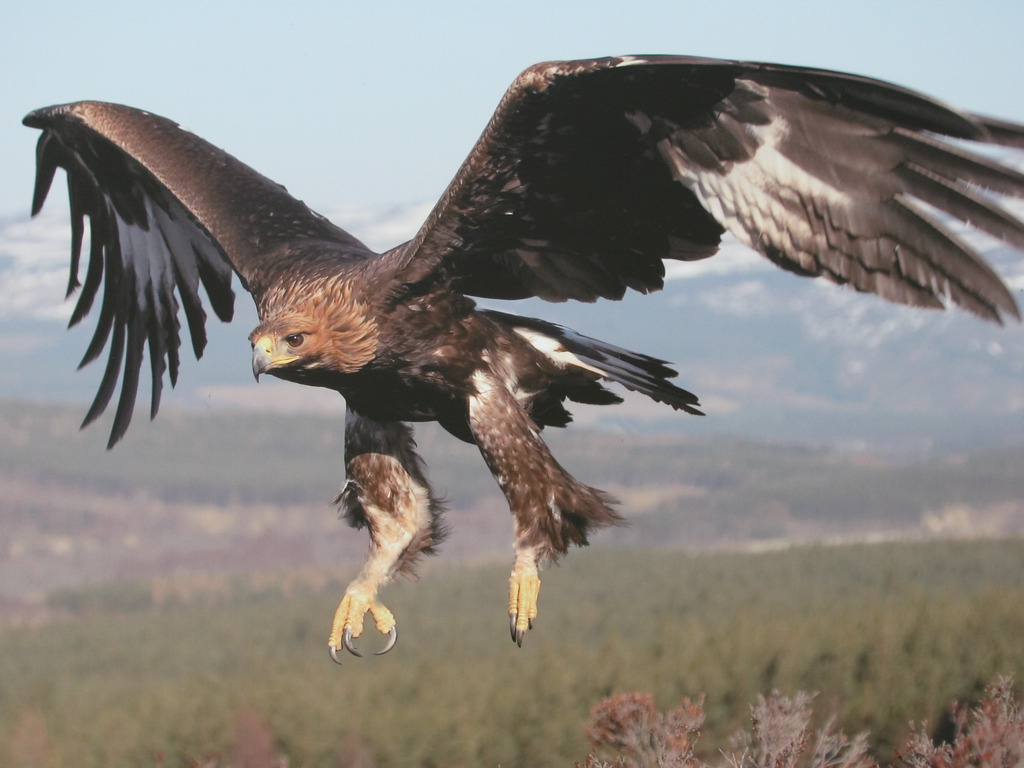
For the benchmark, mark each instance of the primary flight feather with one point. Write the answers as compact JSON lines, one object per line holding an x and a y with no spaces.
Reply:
{"x":588,"y":176}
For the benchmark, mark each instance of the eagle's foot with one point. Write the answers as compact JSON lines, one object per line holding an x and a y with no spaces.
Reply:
{"x":348,"y":623}
{"x":523,"y":589}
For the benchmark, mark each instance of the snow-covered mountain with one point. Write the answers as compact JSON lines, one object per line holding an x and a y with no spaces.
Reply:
{"x":771,"y":355}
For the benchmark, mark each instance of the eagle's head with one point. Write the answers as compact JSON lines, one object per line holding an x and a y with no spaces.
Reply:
{"x":325,"y":333}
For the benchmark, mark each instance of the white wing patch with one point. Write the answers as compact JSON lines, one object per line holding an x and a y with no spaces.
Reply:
{"x":767,"y":198}
{"x":555,"y":351}
{"x":625,"y":61}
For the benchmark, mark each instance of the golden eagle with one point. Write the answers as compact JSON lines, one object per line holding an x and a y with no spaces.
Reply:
{"x":588,"y":176}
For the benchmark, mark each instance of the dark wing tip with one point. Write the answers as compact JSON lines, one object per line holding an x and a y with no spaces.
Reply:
{"x":37,"y":118}
{"x":45,"y":117}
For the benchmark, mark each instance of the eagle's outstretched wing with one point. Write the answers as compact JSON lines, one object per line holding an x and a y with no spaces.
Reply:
{"x":167,"y":212}
{"x":592,"y":172}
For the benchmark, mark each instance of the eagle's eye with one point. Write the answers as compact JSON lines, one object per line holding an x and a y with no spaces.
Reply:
{"x":295,"y":340}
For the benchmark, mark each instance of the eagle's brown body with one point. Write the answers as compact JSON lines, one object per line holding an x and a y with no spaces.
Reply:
{"x":588,"y":176}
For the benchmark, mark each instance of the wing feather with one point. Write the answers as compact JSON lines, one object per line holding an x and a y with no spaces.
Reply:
{"x":133,"y":356}
{"x":110,"y":373}
{"x":168,"y":214}
{"x":591,"y":173}
{"x":962,"y":202}
{"x":46,"y":169}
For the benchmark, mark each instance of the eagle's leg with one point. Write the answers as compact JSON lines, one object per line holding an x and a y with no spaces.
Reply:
{"x":387,"y":493}
{"x":523,"y":591}
{"x":552,"y":509}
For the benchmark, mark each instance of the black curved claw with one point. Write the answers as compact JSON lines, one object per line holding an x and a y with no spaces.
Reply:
{"x":334,"y":654}
{"x":517,"y":634}
{"x":346,"y":641}
{"x":392,"y":639}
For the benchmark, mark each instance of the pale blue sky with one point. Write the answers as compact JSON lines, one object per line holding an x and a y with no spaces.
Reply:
{"x":378,"y":102}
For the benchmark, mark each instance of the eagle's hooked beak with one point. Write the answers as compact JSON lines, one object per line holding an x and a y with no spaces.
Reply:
{"x":269,"y":355}
{"x":262,"y":356}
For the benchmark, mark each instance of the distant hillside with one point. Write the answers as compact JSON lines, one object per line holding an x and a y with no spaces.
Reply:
{"x":237,"y":491}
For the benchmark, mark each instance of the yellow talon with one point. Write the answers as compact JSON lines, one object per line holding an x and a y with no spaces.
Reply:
{"x":382,"y":617}
{"x":523,"y":590}
{"x":348,"y":622}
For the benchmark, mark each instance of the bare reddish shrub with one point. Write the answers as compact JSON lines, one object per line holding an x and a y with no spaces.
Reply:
{"x":29,"y":745}
{"x":780,"y":737}
{"x":631,"y":724}
{"x":355,"y":752}
{"x":989,"y":736}
{"x":254,"y":743}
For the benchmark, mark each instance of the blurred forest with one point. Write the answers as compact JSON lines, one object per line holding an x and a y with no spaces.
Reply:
{"x":189,"y":672}
{"x":168,"y":603}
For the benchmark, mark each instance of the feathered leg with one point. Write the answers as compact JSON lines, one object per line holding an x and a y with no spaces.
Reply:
{"x":388,"y":493}
{"x":552,"y":509}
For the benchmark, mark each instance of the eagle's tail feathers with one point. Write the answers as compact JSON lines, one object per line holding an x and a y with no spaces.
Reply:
{"x":634,"y":370}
